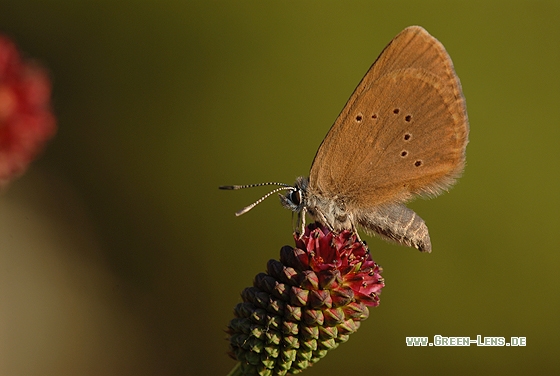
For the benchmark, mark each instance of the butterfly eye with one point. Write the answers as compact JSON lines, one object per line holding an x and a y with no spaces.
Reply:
{"x":295,"y":197}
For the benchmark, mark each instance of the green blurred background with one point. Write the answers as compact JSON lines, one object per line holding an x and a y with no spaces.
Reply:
{"x":119,"y":256}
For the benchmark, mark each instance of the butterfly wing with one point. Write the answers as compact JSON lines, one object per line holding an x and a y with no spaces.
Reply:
{"x":403,"y":131}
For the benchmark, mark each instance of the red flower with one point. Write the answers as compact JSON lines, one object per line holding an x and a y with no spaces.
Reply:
{"x":342,"y":261}
{"x":26,"y":121}
{"x":305,"y":305}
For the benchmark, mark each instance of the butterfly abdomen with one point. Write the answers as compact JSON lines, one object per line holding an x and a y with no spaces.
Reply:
{"x":396,"y":223}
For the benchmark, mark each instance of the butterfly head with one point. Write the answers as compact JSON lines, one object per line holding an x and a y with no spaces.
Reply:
{"x":296,"y":197}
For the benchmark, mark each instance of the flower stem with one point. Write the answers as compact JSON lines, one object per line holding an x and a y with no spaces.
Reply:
{"x":236,"y":371}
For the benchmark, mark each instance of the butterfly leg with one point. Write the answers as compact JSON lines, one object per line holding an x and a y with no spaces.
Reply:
{"x":355,"y":231}
{"x":301,"y":221}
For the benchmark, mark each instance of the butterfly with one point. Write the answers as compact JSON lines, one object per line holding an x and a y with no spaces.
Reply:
{"x":403,"y":133}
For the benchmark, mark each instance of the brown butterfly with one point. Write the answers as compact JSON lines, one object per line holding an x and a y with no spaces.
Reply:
{"x":403,"y":133}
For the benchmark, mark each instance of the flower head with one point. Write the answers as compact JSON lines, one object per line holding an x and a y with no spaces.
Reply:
{"x":26,"y":121}
{"x":306,"y":304}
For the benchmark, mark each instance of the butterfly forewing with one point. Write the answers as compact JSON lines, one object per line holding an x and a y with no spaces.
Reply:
{"x":384,"y":146}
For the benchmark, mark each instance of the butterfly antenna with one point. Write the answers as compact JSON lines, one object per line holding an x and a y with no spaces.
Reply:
{"x":282,"y":187}
{"x":235,"y":187}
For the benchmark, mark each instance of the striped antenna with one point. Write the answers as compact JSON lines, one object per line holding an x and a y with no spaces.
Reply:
{"x":282,"y":187}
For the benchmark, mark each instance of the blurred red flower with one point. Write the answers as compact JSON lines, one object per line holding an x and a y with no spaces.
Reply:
{"x":26,"y":120}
